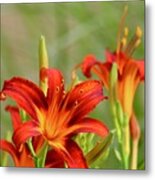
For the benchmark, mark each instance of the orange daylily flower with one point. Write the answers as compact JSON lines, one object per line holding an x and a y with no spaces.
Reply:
{"x":21,"y":155}
{"x":57,"y":116}
{"x":130,"y":71}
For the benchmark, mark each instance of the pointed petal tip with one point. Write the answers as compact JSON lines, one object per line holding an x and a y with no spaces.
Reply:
{"x":2,"y":96}
{"x":88,"y":63}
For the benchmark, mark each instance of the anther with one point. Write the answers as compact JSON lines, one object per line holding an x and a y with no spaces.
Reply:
{"x":123,"y":42}
{"x":126,"y":31}
{"x":138,"y":32}
{"x":137,"y":43}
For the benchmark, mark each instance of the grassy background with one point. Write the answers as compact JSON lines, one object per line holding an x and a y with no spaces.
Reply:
{"x":72,"y":30}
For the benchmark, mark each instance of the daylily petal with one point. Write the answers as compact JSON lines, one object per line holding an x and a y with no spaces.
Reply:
{"x":25,"y":159}
{"x":88,"y":63}
{"x":26,"y":94}
{"x":140,"y":65}
{"x":110,"y":57}
{"x":27,"y":130}
{"x":103,"y":72}
{"x":54,"y":160}
{"x":15,"y":116}
{"x":38,"y":142}
{"x":128,"y":86}
{"x":55,"y":84}
{"x":73,"y":155}
{"x":88,"y":125}
{"x":7,"y":146}
{"x":84,"y":97}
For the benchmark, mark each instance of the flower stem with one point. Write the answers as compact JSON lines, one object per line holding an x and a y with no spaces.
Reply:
{"x":116,"y":122}
{"x":134,"y":156}
{"x":126,"y":147}
{"x":36,"y":160}
{"x":44,"y":156}
{"x":31,"y":149}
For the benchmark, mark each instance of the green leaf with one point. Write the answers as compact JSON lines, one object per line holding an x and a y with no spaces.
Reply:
{"x":141,"y":165}
{"x":118,"y":155}
{"x":98,"y":150}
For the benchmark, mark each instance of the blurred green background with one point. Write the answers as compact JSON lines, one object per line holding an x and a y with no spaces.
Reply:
{"x":72,"y":30}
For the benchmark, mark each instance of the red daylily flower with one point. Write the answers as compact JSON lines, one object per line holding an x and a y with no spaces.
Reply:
{"x":130,"y":71}
{"x":59,"y":115}
{"x":21,"y":155}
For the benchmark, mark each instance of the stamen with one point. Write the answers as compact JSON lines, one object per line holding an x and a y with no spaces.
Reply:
{"x":138,"y":32}
{"x":121,"y":28}
{"x":123,"y":42}
{"x":126,"y":31}
{"x":134,"y":42}
{"x":137,"y":43}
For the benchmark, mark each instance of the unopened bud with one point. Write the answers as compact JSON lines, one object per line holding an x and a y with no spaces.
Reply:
{"x":134,"y":128}
{"x":43,"y":57}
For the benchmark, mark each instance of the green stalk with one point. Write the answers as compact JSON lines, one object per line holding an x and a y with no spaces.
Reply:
{"x":134,"y":156}
{"x":126,"y":144}
{"x":44,"y":156}
{"x":113,"y":98}
{"x":31,"y":148}
{"x":33,"y":153}
{"x":116,"y":122}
